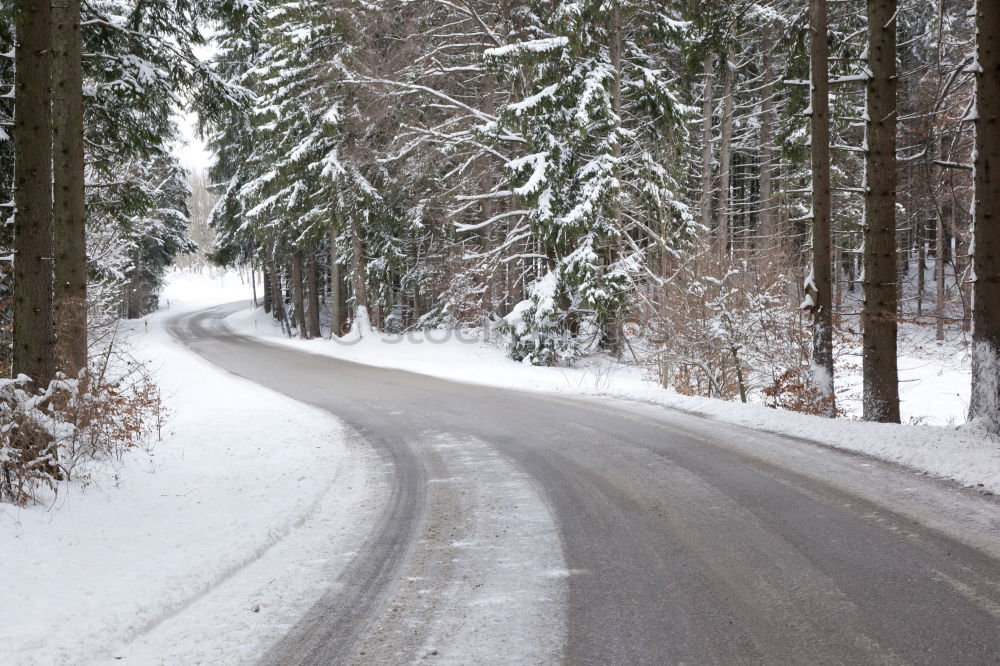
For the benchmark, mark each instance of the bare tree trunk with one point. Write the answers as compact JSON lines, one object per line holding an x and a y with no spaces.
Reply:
{"x":69,"y":221}
{"x":939,"y":294}
{"x":277,"y":297}
{"x":268,"y":289}
{"x":707,"y":109}
{"x":312,"y":278}
{"x":253,"y":283}
{"x":612,"y":333}
{"x":358,"y":273}
{"x":821,"y":287}
{"x":726,"y":159}
{"x":984,"y":403}
{"x":336,"y":306}
{"x":765,"y":216}
{"x":921,"y":262}
{"x":298,"y":301}
{"x":488,"y":205}
{"x":881,"y":382}
{"x":34,"y":339}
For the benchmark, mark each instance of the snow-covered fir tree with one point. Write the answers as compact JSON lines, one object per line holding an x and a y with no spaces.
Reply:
{"x":601,"y":121}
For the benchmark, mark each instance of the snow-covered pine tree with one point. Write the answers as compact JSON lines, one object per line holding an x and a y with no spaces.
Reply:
{"x":598,"y":117}
{"x":287,"y":198}
{"x":226,"y":120}
{"x":139,"y":63}
{"x":453,"y":151}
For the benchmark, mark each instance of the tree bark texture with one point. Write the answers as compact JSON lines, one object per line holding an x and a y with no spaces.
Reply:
{"x":268,"y":290}
{"x":766,"y":233}
{"x":726,"y":159}
{"x":312,"y":279}
{"x":984,"y":403}
{"x":298,"y":299}
{"x":336,"y":303}
{"x":881,"y":383}
{"x":358,"y":268}
{"x":277,"y":296}
{"x":707,"y":110}
{"x":34,"y":339}
{"x":822,"y":261}
{"x":70,"y":237}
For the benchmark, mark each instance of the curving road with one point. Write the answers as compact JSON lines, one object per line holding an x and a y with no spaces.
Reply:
{"x":684,"y":541}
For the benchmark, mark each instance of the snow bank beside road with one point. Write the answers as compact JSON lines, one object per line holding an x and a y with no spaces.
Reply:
{"x":964,"y":454}
{"x":200,"y":550}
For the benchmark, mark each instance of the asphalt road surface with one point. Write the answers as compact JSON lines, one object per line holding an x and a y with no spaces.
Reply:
{"x":686,"y":541}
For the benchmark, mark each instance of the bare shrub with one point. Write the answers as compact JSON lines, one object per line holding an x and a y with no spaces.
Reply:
{"x":732,"y":329}
{"x":49,"y":436}
{"x":792,"y":393}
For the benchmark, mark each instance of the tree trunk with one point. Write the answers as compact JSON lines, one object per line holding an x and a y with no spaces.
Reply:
{"x":253,"y":283}
{"x":766,"y":239}
{"x":34,"y":339}
{"x":707,"y":109}
{"x":298,"y":301}
{"x":612,"y":335}
{"x":336,"y":304}
{"x":69,"y":221}
{"x":984,"y":403}
{"x":312,"y":277}
{"x":726,"y":159}
{"x":487,"y":181}
{"x":881,"y":383}
{"x":277,"y":297}
{"x":939,"y":292}
{"x":921,"y":261}
{"x":268,"y":290}
{"x":358,"y":272}
{"x":821,"y":288}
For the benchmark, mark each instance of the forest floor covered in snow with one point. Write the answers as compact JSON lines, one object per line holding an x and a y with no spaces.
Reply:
{"x":206,"y":546}
{"x":201,"y":548}
{"x":934,"y":387}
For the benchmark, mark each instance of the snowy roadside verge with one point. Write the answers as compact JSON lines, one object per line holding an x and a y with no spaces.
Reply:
{"x":964,"y":454}
{"x":203,"y":549}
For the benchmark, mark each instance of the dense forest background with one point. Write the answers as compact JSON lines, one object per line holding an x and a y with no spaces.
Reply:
{"x":628,"y":176}
{"x":739,"y":195}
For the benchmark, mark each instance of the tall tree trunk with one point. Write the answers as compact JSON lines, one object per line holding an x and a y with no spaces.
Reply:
{"x":312,"y":278}
{"x":707,"y":110}
{"x":984,"y":403}
{"x":939,"y":292}
{"x":358,"y":275}
{"x":70,"y":237}
{"x":253,"y":283}
{"x":298,"y":300}
{"x":336,"y":305}
{"x":612,"y":333}
{"x":726,"y":159}
{"x":821,"y":287}
{"x":268,"y":289}
{"x":277,"y":296}
{"x":881,"y":382}
{"x":487,"y":210}
{"x":765,"y":217}
{"x":921,"y":240}
{"x":34,"y":339}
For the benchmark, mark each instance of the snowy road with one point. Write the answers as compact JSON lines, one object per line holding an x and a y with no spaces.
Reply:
{"x":532,"y":528}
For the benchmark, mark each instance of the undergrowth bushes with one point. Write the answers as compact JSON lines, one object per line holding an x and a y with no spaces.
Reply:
{"x":732,"y":329}
{"x":49,"y":436}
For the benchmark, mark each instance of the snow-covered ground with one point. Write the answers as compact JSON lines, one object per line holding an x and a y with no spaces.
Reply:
{"x":934,"y":375}
{"x":933,"y":391}
{"x":202,"y":549}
